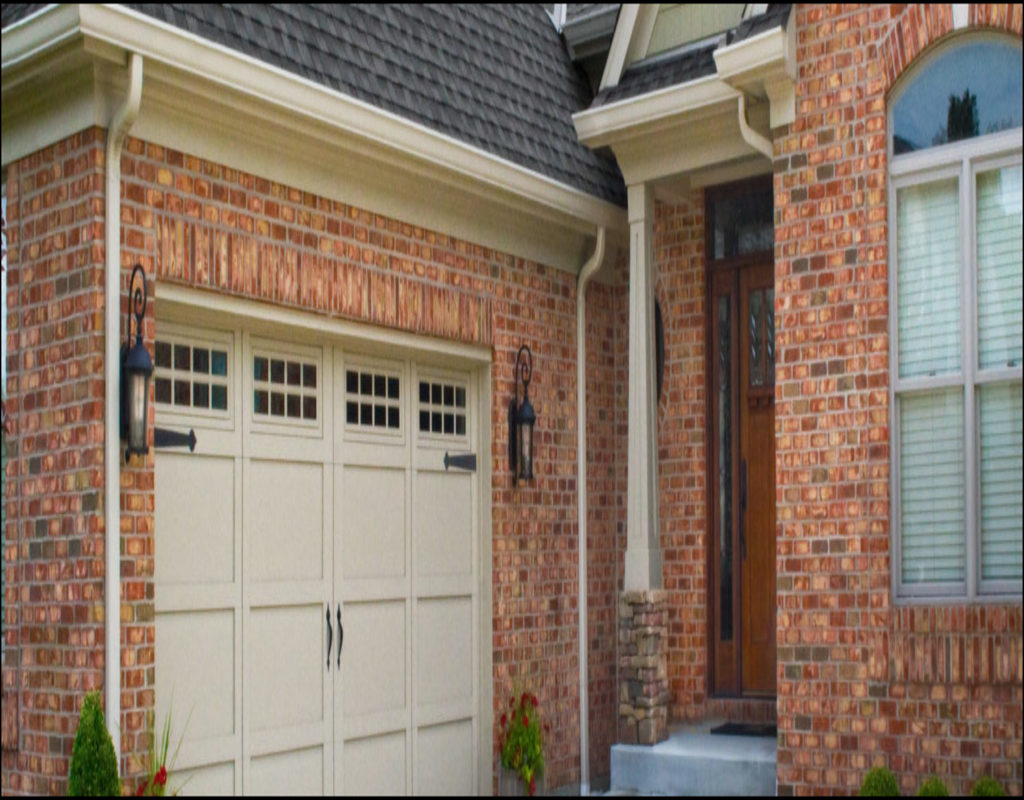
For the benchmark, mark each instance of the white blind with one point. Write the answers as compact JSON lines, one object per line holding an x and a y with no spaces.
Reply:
{"x":999,"y":267}
{"x":932,"y":487}
{"x":1000,"y":412}
{"x":928,"y":253}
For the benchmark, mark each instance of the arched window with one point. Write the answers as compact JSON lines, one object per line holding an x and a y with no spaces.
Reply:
{"x":955,"y":335}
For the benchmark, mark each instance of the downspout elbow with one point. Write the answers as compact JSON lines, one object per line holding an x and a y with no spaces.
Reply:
{"x":590,"y":268}
{"x":120,"y":124}
{"x":757,"y":140}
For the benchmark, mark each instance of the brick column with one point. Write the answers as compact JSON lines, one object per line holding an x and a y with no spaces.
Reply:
{"x":643,"y":667}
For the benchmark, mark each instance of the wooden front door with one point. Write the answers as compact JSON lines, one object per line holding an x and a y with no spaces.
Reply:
{"x":742,"y":374}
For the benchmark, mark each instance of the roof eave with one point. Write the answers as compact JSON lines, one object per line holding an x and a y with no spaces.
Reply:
{"x":121,"y":29}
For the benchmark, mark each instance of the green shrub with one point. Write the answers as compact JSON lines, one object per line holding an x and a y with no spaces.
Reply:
{"x":933,"y":787}
{"x":93,"y":771}
{"x":879,"y":782}
{"x":987,"y":787}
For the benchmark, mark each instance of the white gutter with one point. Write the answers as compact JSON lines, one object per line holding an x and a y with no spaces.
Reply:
{"x":120,"y":123}
{"x":756,"y":140}
{"x":586,"y":273}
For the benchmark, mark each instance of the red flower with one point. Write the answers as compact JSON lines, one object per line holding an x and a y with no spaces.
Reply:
{"x":523,"y":701}
{"x":535,"y":701}
{"x":525,"y":722}
{"x":503,"y":720}
{"x":161,"y":776}
{"x":533,"y":785}
{"x":142,"y":790}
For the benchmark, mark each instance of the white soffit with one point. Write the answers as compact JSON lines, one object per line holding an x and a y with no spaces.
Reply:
{"x":188,"y":66}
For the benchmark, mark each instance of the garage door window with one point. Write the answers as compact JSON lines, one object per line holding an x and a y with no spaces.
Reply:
{"x":372,"y":400}
{"x":284,"y":387}
{"x":442,"y":409}
{"x":191,"y":375}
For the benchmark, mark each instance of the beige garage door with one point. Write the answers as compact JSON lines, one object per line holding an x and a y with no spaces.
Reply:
{"x":317,"y":625}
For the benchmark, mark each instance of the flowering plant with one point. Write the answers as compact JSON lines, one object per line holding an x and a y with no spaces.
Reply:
{"x":155,"y":785}
{"x":522,"y":744}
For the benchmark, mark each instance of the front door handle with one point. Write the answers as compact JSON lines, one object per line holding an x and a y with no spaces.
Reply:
{"x":341,"y":636}
{"x":330,"y":637}
{"x":743,"y":508}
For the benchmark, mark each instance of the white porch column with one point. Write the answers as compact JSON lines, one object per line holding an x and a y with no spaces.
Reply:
{"x":643,"y":550}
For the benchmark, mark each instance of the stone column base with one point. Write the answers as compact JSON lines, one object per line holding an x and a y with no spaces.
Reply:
{"x":643,"y":667}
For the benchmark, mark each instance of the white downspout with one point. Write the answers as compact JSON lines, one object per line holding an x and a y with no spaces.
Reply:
{"x":758,"y":141}
{"x":586,"y":273}
{"x":120,"y":123}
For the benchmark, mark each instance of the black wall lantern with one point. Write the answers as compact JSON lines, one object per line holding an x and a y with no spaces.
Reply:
{"x":136,"y":369}
{"x":521,"y":419}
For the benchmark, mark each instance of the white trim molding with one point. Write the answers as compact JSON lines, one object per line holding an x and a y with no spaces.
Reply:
{"x":764,"y":66}
{"x":715,"y":122}
{"x":63,"y":67}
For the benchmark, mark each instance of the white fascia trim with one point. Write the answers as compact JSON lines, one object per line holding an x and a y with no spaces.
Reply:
{"x":157,"y":41}
{"x":37,"y":33}
{"x":599,"y":126}
{"x":640,"y":41}
{"x":616,"y":61}
{"x":766,"y":51}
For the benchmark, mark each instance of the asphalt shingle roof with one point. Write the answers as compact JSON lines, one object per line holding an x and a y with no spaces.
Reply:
{"x":494,"y":76}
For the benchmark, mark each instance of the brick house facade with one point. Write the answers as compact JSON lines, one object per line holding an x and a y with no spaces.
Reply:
{"x":862,"y":679}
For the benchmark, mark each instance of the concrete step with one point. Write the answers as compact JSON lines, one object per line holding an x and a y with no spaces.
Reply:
{"x":693,"y":761}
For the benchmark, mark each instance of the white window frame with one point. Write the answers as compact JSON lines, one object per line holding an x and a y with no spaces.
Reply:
{"x":963,"y":159}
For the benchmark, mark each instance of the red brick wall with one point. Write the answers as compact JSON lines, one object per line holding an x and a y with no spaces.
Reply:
{"x":607,"y":305}
{"x":682,"y":443}
{"x":861,"y":683}
{"x":55,"y":546}
{"x":199,"y":224}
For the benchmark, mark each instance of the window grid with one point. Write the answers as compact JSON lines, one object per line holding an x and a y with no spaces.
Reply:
{"x":442,"y":409}
{"x":192,"y":376}
{"x":373,"y":400}
{"x":285,"y":388}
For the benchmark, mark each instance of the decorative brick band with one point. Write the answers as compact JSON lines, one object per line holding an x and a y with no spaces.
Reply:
{"x":643,"y":667}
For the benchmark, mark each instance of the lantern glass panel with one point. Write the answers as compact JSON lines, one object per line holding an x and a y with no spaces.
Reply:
{"x":137,"y":410}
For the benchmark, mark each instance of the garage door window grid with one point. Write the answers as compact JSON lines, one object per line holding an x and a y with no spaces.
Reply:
{"x":372,"y":400}
{"x":285,"y":387}
{"x":442,"y":409}
{"x":192,"y":375}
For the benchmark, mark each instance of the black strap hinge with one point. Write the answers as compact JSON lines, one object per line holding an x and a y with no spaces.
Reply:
{"x":165,"y":438}
{"x":466,"y":461}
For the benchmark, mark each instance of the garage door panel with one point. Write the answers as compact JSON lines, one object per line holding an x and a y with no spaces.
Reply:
{"x":445,"y":586}
{"x":195,"y":519}
{"x":195,"y":673}
{"x":444,"y":759}
{"x":286,"y":655}
{"x":374,"y":657}
{"x":214,"y":779}
{"x":196,"y":597}
{"x":376,"y":765}
{"x":443,"y":527}
{"x":371,"y":517}
{"x":284,"y":521}
{"x":376,"y":453}
{"x":444,"y":650}
{"x":297,"y":772}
